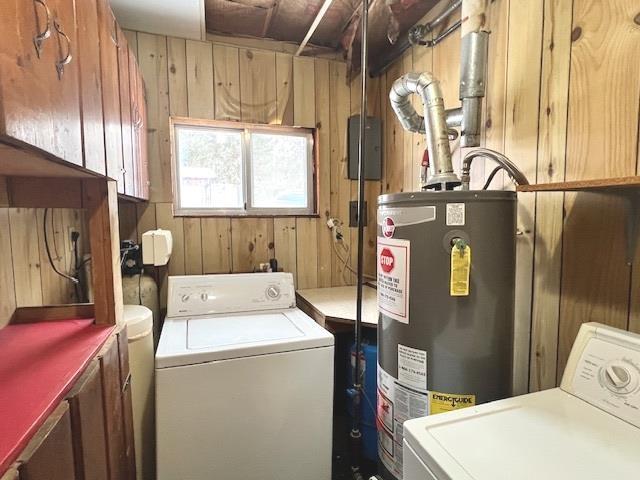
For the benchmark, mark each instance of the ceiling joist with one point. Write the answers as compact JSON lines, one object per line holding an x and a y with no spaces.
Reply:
{"x":269,"y":18}
{"x":314,"y":25}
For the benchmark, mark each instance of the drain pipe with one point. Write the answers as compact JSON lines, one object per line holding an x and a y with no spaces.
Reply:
{"x":356,"y":435}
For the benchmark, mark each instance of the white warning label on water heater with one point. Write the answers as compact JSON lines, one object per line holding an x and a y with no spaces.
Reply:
{"x":393,"y":278}
{"x":412,"y":367}
{"x":456,"y":214}
{"x":396,"y":403}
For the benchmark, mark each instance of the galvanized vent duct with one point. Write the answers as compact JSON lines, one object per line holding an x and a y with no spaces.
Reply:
{"x":473,"y":65}
{"x":433,"y":124}
{"x":437,"y":120}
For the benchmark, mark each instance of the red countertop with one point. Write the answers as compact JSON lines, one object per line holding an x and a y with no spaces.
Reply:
{"x":39,"y":363}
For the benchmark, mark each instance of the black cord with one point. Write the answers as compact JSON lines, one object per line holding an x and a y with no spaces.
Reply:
{"x":76,"y":267}
{"x":139,"y":286}
{"x":46,"y":244}
{"x":491,"y":176}
{"x":55,"y":243}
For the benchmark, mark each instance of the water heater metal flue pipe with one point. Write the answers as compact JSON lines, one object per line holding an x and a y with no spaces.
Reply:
{"x":433,"y":124}
{"x":473,"y":65}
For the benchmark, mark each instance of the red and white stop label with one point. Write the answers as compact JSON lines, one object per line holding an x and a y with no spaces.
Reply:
{"x":388,"y":227}
{"x":387,"y":260}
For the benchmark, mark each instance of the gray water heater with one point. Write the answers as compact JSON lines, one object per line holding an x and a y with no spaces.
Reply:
{"x":446,"y":273}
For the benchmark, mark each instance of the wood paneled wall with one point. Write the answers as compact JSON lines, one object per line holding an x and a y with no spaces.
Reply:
{"x":26,"y":277}
{"x":562,"y":101}
{"x":221,"y":81}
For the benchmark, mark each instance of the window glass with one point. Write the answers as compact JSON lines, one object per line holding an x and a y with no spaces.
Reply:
{"x":210,"y":168}
{"x":245,"y":170}
{"x":279,"y":170}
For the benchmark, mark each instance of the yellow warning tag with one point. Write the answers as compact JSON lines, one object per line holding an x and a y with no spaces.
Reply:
{"x":460,"y":268}
{"x":446,"y":402}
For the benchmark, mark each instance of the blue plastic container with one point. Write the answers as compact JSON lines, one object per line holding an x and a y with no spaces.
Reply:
{"x":368,"y":403}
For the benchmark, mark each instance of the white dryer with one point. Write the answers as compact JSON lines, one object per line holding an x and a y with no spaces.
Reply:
{"x":244,"y":382}
{"x":588,"y":429}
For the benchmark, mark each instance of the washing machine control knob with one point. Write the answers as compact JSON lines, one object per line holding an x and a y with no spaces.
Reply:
{"x":204,"y":296}
{"x":617,"y":376}
{"x":273,"y":292}
{"x":185,"y":298}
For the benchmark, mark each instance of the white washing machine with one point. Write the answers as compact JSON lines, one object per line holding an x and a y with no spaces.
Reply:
{"x":244,"y":382}
{"x":589,"y":428}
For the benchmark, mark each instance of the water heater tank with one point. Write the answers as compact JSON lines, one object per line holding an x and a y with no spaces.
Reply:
{"x":446,"y":272}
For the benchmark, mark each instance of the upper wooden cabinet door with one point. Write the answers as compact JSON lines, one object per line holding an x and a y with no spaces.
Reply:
{"x":49,"y":454}
{"x":142,"y":160}
{"x":90,"y":85}
{"x":108,"y":33}
{"x":136,"y":122}
{"x":125,"y":116}
{"x":39,"y":92}
{"x":86,"y":405}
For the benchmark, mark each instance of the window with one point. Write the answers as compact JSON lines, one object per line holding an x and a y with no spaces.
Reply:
{"x":228,"y":168}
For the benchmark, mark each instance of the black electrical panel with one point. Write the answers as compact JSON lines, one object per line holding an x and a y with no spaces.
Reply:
{"x":373,"y":148}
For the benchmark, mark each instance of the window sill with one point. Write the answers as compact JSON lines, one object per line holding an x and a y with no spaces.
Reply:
{"x":245,"y":215}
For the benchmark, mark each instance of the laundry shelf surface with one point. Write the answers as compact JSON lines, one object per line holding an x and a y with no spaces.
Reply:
{"x":337,"y":305}
{"x":39,"y":363}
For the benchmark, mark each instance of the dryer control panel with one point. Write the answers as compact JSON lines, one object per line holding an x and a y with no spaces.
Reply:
{"x":195,"y":295}
{"x":604,"y":370}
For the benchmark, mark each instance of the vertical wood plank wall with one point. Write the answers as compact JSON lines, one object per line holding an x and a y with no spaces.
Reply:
{"x":26,"y":277}
{"x":563,"y":96}
{"x":220,"y":81}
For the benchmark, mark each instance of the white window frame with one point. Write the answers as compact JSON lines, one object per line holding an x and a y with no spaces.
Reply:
{"x":246,"y":130}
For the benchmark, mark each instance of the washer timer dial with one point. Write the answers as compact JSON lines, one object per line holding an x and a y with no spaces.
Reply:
{"x":273,"y":292}
{"x":620,"y":377}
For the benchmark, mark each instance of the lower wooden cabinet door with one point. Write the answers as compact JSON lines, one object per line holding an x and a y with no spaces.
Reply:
{"x":49,"y":454}
{"x":127,"y":404}
{"x":113,"y":414}
{"x":88,"y":427}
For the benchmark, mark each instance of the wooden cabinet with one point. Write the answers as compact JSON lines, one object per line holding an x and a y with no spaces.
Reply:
{"x":49,"y":455}
{"x":136,"y":175}
{"x":142,"y":162}
{"x":71,"y":90}
{"x":89,"y":435}
{"x":127,"y":403}
{"x":126,"y":117}
{"x":114,"y":371}
{"x":114,"y":422}
{"x":88,"y":427}
{"x":132,"y":178}
{"x":90,"y":86}
{"x":39,"y":91}
{"x":108,"y":34}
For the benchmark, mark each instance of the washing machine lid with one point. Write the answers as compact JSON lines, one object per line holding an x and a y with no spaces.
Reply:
{"x":188,"y":341}
{"x":550,"y":434}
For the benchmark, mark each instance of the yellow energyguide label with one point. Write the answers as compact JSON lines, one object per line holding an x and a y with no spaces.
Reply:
{"x":460,"y":269}
{"x":445,"y":402}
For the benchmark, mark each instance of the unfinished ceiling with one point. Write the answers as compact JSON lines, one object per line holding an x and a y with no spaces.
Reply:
{"x":290,"y":20}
